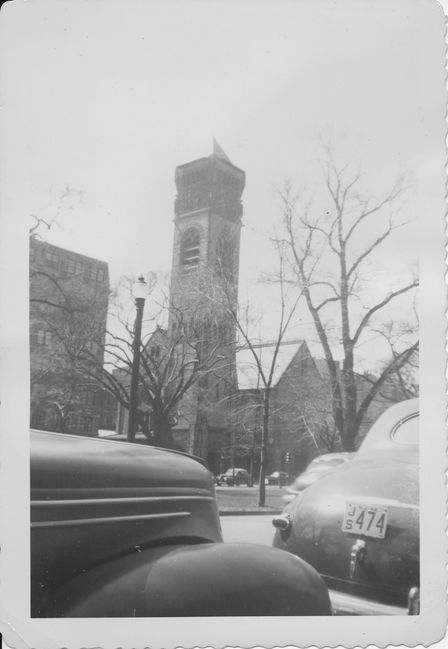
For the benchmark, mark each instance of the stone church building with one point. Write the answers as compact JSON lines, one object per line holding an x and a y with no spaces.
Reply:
{"x":219,"y":418}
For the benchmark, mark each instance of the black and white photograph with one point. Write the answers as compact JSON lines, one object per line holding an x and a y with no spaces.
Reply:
{"x":223,"y":393}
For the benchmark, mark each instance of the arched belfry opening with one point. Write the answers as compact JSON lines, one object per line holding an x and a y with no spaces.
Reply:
{"x":190,"y":249}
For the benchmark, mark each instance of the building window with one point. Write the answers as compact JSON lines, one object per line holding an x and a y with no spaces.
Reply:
{"x":78,"y":268}
{"x":51,"y":257}
{"x":189,"y":249}
{"x":224,"y":257}
{"x":70,"y":266}
{"x":43,"y":338}
{"x":100,"y":275}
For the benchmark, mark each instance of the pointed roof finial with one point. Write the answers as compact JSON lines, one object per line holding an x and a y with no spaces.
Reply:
{"x":219,"y":152}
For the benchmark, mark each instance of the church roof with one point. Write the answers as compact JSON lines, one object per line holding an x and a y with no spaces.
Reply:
{"x":248,"y":374}
{"x":219,"y":152}
{"x":322,"y":368}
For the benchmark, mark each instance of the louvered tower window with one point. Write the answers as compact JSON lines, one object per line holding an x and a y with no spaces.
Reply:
{"x":189,"y":249}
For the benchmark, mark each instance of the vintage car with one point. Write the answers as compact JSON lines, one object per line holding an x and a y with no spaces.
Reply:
{"x":279,"y":478}
{"x":233,"y":476}
{"x":316,"y":469}
{"x":359,"y":525}
{"x":124,"y":530}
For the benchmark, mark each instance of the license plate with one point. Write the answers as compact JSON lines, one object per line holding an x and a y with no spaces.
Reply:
{"x":367,"y":520}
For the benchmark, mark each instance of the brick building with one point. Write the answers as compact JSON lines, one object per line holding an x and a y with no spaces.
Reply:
{"x":68,"y":309}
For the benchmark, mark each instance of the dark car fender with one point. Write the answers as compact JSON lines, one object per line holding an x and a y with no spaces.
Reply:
{"x":206,"y":579}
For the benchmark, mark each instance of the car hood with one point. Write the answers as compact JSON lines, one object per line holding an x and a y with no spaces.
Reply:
{"x":391,"y":565}
{"x":67,"y":464}
{"x":93,"y":499}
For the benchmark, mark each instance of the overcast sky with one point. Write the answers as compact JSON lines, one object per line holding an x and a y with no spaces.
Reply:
{"x":101,"y":100}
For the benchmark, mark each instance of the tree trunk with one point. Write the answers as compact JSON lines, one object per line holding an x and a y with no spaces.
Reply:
{"x":263,"y":451}
{"x":348,"y":377}
{"x":336,"y":395}
{"x":163,"y":437}
{"x":251,"y":468}
{"x":350,"y":401}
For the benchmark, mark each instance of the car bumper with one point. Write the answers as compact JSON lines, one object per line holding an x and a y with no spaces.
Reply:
{"x":344,"y":604}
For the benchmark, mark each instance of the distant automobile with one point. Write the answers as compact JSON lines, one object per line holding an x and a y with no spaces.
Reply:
{"x":316,"y":469}
{"x":359,"y":525}
{"x":233,"y":476}
{"x":279,"y":478}
{"x":122,"y":530}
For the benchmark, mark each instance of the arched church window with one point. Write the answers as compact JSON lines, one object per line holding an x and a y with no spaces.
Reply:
{"x":224,"y":257}
{"x":190,"y":249}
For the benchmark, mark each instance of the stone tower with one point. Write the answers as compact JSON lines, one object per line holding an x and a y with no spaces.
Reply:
{"x":206,"y":248}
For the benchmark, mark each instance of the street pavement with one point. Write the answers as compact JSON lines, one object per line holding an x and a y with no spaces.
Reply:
{"x":248,"y":529}
{"x":246,"y":498}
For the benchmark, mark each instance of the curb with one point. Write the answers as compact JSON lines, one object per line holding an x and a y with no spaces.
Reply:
{"x":249,"y":512}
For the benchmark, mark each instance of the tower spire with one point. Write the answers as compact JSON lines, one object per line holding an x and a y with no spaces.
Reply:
{"x":219,"y":152}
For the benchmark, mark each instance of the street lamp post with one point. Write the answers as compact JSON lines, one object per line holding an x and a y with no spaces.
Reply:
{"x":139,"y":292}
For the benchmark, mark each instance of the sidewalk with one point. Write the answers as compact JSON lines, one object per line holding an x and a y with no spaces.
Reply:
{"x":244,"y":500}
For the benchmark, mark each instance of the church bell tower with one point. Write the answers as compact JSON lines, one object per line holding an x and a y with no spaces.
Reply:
{"x":208,"y":211}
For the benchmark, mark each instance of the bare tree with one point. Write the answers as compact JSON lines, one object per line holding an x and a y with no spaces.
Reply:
{"x":245,"y":417}
{"x":222,"y":295}
{"x":172,"y":361}
{"x":402,"y":382}
{"x":48,"y":216}
{"x":330,"y":246}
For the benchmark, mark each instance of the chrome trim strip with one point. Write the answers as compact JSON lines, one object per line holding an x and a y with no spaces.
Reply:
{"x":383,"y":502}
{"x":107,"y":519}
{"x":344,"y":604}
{"x":115,"y":501}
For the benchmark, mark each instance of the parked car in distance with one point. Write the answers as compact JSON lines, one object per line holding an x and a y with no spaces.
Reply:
{"x":316,"y":469}
{"x":279,"y":478}
{"x":359,"y":525}
{"x":125,"y":530}
{"x":233,"y":476}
